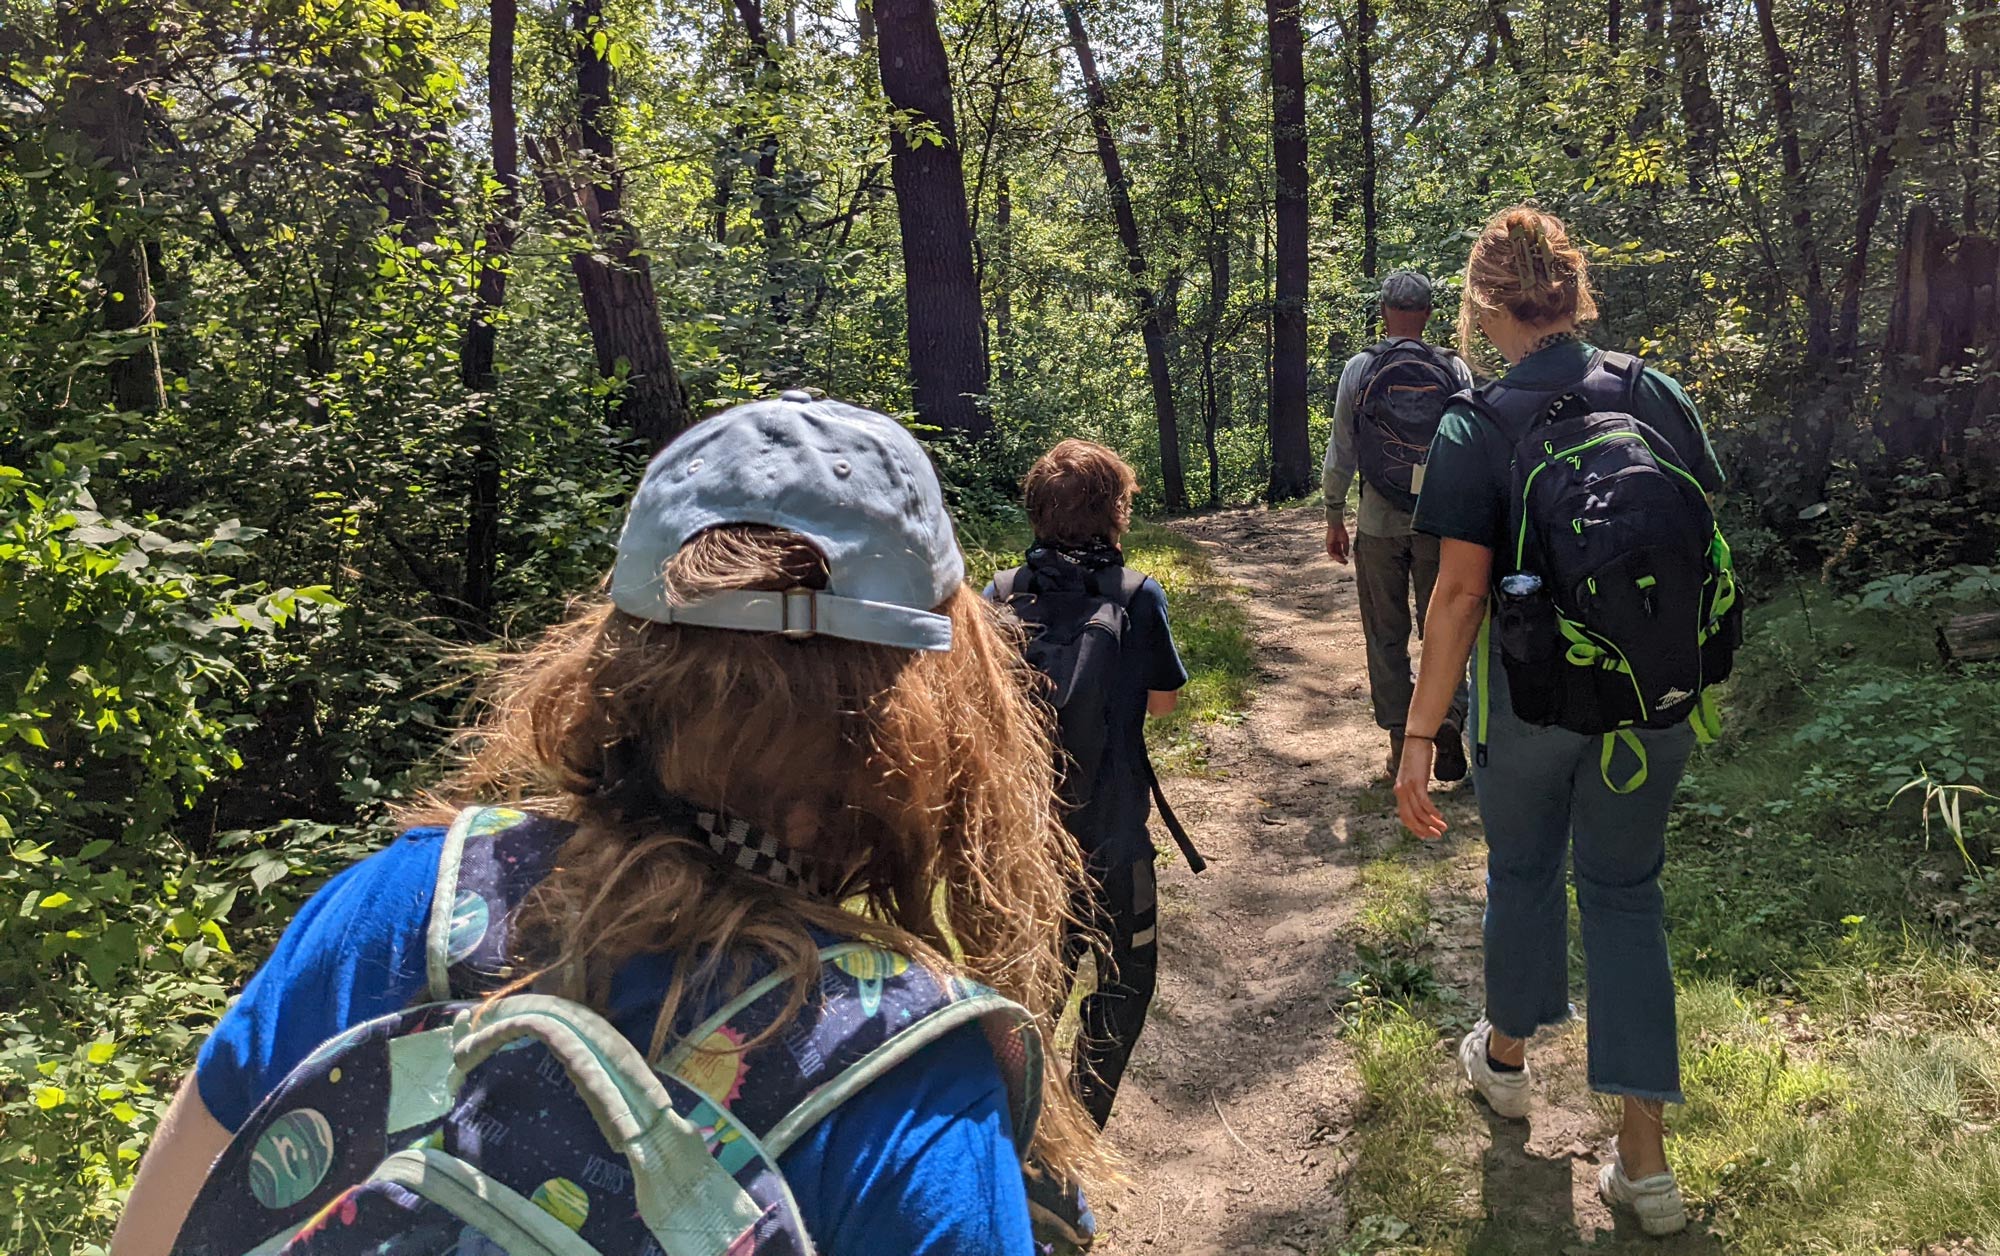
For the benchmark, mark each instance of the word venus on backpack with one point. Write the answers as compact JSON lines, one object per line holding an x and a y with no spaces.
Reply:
{"x":1617,"y":609}
{"x":529,"y":1125}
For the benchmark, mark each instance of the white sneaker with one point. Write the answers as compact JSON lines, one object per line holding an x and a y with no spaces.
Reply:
{"x":1506,"y":1093}
{"x":1656,"y":1199}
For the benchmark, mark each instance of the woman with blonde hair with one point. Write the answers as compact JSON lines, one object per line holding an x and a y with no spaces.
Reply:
{"x":1545,"y":791}
{"x":778,"y":856}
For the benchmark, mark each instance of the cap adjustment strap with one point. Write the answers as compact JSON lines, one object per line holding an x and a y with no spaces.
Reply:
{"x":798,"y":614}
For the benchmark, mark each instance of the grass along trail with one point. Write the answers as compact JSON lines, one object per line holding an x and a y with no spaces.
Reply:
{"x":1296,"y":1091}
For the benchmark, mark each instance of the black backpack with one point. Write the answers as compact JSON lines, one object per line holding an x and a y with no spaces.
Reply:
{"x":1402,"y":397}
{"x":1635,"y":615}
{"x":1076,"y":622}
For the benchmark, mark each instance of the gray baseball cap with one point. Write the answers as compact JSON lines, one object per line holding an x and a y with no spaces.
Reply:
{"x":1406,"y":290}
{"x":853,"y":482}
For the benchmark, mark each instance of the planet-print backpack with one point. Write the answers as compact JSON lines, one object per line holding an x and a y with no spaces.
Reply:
{"x":528,"y":1125}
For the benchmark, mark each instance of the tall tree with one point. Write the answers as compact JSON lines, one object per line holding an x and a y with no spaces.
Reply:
{"x":1291,"y":443}
{"x":1364,"y":73}
{"x":476,"y":357}
{"x":764,"y":78}
{"x":1698,"y":110}
{"x":948,"y":366}
{"x":1918,"y":44}
{"x":1792,"y":187}
{"x":104,"y":108}
{"x":1152,"y":318}
{"x":613,"y":275}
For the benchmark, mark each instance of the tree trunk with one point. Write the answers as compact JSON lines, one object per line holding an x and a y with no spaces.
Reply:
{"x":103,"y":105}
{"x":1652,"y":106}
{"x":948,"y":366}
{"x":1917,"y":46}
{"x":1614,"y":21}
{"x":1291,"y":448}
{"x":1947,"y":303}
{"x":1698,"y":110}
{"x":1364,"y":47}
{"x":1151,"y":311}
{"x":476,"y":357}
{"x":1792,"y":184}
{"x":614,"y":277}
{"x":1003,"y":285}
{"x":764,"y":82}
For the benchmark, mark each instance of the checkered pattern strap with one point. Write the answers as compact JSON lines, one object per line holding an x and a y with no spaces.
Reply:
{"x":749,"y":849}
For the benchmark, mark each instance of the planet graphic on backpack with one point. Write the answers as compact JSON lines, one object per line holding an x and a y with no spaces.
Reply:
{"x":870,"y":968}
{"x":469,"y":918}
{"x":493,"y":820}
{"x":564,"y":1200}
{"x":291,"y":1158}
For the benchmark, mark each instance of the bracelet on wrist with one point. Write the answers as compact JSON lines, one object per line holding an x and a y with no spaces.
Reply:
{"x":1420,"y":737}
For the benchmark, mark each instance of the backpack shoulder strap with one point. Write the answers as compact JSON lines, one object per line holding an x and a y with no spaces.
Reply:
{"x":493,"y":857}
{"x":1129,"y":584}
{"x":874,"y":1010}
{"x":1624,"y":368}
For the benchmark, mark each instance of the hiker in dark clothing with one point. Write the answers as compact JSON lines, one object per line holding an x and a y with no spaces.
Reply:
{"x":1079,"y":500}
{"x":1391,"y":561}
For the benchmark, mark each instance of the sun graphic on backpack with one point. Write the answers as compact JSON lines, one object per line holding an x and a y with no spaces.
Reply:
{"x":716,"y":1068}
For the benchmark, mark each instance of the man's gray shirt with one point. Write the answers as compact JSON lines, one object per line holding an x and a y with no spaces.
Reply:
{"x":1377,"y":515}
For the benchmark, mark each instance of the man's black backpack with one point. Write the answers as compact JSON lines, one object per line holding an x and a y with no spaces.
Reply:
{"x":1403,"y":394}
{"x":1076,"y":622}
{"x":1635,"y":615}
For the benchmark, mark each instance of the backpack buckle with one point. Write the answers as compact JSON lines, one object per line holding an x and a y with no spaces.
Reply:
{"x":801,"y":616}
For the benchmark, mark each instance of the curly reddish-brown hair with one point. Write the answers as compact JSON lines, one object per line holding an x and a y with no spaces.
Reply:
{"x":1079,"y":492}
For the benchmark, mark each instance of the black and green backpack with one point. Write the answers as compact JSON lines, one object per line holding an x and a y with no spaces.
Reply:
{"x":1632,"y":614}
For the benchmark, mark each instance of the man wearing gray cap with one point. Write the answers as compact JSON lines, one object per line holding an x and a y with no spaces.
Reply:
{"x":1385,"y":413}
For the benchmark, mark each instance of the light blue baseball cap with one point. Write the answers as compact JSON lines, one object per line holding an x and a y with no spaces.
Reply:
{"x":854,"y":483}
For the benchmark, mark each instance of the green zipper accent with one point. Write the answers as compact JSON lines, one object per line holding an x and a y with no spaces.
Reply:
{"x":496,"y":1210}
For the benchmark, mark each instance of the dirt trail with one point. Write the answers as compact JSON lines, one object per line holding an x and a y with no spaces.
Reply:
{"x":1238,"y":1111}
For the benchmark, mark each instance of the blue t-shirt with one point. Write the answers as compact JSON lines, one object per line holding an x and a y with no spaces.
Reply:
{"x":1111,"y":827}
{"x":922,"y":1161}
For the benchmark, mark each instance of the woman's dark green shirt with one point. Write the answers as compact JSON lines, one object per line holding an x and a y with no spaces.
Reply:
{"x":1469,"y":476}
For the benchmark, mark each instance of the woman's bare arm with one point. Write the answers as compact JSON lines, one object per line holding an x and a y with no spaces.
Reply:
{"x":1458,"y":603}
{"x":170,"y":1176}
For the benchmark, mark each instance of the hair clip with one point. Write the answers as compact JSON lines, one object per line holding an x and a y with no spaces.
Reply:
{"x":1521,"y":243}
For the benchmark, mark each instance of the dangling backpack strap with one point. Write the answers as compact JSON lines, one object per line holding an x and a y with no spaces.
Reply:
{"x":1481,"y":667}
{"x":1129,"y":582}
{"x":1630,"y":740}
{"x":1004,"y":583}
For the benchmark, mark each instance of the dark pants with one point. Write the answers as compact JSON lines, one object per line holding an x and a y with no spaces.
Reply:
{"x":1123,"y":909}
{"x":1387,"y":571}
{"x":1543,"y":800}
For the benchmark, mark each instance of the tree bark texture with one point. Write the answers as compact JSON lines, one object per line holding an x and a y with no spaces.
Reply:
{"x":1291,"y":447}
{"x":1698,"y":109}
{"x":1003,"y":283}
{"x":1364,"y":49}
{"x":1947,"y":306}
{"x":1792,"y":185}
{"x":948,"y":367}
{"x":476,"y":357}
{"x":764,"y":82}
{"x":614,"y":277}
{"x":1152,"y":314}
{"x":104,"y":106}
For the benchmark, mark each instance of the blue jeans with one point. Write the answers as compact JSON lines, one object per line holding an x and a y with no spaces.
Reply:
{"x":1542,"y":796}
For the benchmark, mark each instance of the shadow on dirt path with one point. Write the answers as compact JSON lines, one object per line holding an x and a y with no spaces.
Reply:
{"x":1237,"y":1115}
